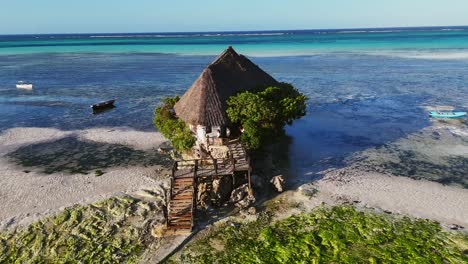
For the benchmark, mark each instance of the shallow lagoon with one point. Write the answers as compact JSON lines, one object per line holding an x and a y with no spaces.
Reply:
{"x":367,"y":111}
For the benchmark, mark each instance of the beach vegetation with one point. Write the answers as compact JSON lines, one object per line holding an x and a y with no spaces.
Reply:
{"x":263,"y":113}
{"x":172,"y":127}
{"x":339,"y":234}
{"x":111,"y":231}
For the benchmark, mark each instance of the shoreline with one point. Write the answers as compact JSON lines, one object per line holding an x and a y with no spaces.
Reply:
{"x":391,"y":194}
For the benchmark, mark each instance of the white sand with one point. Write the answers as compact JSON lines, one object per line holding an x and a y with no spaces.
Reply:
{"x":417,"y":198}
{"x":25,"y":197}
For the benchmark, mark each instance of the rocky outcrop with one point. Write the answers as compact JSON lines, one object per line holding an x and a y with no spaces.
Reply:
{"x":203,"y":196}
{"x":239,"y":193}
{"x":246,"y":201}
{"x":278,"y":183}
{"x":222,"y":189}
{"x":242,"y":196}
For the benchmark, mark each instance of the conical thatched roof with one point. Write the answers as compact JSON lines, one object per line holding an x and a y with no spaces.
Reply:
{"x":205,"y":102}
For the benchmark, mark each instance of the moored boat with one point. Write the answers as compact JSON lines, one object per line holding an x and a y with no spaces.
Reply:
{"x":103,"y":105}
{"x":440,"y":114}
{"x":23,"y":85}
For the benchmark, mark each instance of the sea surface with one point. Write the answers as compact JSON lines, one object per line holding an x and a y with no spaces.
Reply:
{"x":369,"y":90}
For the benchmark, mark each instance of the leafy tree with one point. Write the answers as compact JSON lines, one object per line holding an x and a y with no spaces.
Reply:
{"x":171,"y":127}
{"x":264,"y":113}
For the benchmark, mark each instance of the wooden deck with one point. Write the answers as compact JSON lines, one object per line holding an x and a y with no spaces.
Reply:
{"x":183,"y":184}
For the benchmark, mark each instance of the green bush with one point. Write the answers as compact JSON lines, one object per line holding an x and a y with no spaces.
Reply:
{"x":329,"y":235}
{"x":264,"y":113}
{"x":171,"y":127}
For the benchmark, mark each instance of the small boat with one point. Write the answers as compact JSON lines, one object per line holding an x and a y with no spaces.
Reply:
{"x":440,"y":114}
{"x":23,"y":85}
{"x":103,"y":105}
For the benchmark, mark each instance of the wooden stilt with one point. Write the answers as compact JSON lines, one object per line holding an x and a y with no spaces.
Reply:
{"x":250,"y":179}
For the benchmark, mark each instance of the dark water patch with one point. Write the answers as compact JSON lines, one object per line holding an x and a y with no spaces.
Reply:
{"x":452,"y":170}
{"x":333,"y":132}
{"x":72,"y":155}
{"x":41,"y":103}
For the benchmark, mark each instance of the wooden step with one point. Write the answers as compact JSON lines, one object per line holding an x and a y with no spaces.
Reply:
{"x":181,"y":215}
{"x":189,"y":186}
{"x":181,"y":223}
{"x":180,"y":220}
{"x":180,"y":209}
{"x":182,"y":197}
{"x":181,"y":203}
{"x":179,"y":192}
{"x":182,"y":191}
{"x":180,"y":227}
{"x":184,"y":180}
{"x":178,"y":186}
{"x":186,"y":202}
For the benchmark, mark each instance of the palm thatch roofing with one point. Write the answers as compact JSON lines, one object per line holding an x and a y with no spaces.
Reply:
{"x":205,"y":103}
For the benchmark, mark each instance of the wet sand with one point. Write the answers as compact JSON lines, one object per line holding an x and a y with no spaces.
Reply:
{"x":392,"y":194}
{"x":44,"y":170}
{"x":391,"y":165}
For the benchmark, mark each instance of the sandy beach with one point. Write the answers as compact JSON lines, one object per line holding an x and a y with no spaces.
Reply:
{"x":129,"y":160}
{"x":398,"y":195}
{"x":31,"y":192}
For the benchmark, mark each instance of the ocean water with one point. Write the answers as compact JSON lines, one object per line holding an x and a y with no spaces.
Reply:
{"x":367,"y":88}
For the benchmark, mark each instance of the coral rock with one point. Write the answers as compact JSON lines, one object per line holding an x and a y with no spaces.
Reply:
{"x":278,"y":182}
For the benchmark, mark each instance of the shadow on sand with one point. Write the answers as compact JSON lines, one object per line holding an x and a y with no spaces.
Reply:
{"x":73,"y":155}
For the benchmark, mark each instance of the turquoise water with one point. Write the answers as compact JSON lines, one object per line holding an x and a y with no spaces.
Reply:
{"x":366,"y":89}
{"x":401,"y":42}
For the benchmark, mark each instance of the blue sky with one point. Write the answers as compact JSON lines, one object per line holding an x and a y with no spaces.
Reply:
{"x":79,"y":16}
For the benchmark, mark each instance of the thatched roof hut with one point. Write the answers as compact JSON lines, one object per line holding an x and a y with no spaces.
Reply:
{"x":205,"y":102}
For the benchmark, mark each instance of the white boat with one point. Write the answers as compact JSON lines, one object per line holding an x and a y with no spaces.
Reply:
{"x":23,"y":85}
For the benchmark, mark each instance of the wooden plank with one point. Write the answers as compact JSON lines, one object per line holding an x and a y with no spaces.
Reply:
{"x":181,"y":215}
{"x":182,"y":201}
{"x":182,"y":197}
{"x":186,"y":207}
{"x":186,"y":227}
{"x":182,"y":223}
{"x":182,"y":192}
{"x":180,"y":208}
{"x":180,"y":219}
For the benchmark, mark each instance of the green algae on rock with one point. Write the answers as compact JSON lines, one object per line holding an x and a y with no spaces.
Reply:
{"x":339,"y":234}
{"x":111,"y":231}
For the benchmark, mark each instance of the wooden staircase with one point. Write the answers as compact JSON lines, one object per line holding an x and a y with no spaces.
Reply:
{"x":182,"y":199}
{"x":181,"y":204}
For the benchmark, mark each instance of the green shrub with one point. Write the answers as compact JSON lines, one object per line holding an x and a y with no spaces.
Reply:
{"x":171,"y":127}
{"x":264,"y":113}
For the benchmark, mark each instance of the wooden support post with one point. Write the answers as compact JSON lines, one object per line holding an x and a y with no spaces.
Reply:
{"x":233,"y":161}
{"x":194,"y":196}
{"x":233,"y":180}
{"x":215,"y":164}
{"x":250,"y":180}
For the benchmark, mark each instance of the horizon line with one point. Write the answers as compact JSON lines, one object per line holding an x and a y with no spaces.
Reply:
{"x":242,"y":31}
